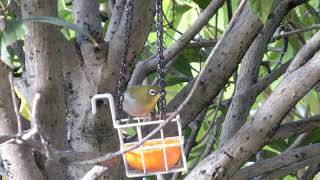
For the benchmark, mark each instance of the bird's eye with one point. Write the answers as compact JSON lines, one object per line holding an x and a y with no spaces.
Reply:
{"x":152,"y":92}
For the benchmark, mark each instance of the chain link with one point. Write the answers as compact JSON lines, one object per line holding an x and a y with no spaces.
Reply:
{"x":160,"y":59}
{"x":122,"y":84}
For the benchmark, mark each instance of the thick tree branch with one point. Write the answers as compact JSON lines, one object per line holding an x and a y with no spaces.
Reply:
{"x":305,"y":53}
{"x":281,"y":161}
{"x":44,"y":73}
{"x":18,"y":160}
{"x":116,"y":15}
{"x":221,"y":63}
{"x":143,"y":17}
{"x":100,"y":73}
{"x":265,"y":122}
{"x":144,"y":68}
{"x":291,"y":168}
{"x":87,"y":16}
{"x":249,"y":71}
{"x":297,"y":127}
{"x":258,"y":87}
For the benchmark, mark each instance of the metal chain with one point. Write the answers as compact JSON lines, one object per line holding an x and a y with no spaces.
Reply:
{"x":160,"y":59}
{"x":122,"y":84}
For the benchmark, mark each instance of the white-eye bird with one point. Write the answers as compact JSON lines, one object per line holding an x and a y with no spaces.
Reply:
{"x":140,"y":100}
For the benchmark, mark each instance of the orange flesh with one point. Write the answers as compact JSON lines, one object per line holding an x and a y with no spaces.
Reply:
{"x":154,"y":159}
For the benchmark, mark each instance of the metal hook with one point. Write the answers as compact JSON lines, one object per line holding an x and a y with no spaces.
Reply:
{"x":111,"y":103}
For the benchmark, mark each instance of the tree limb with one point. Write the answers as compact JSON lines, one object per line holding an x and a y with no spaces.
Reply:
{"x":265,"y":122}
{"x":195,"y":127}
{"x":283,"y":160}
{"x":18,"y":160}
{"x":221,"y":63}
{"x":44,"y":58}
{"x":297,"y":127}
{"x":249,"y":71}
{"x":290,"y":33}
{"x":292,"y":168}
{"x":144,"y":68}
{"x":305,"y":53}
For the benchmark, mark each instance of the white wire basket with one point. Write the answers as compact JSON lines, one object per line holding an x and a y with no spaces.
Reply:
{"x":158,"y":155}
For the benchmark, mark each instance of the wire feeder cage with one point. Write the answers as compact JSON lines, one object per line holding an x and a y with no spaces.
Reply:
{"x":159,"y":155}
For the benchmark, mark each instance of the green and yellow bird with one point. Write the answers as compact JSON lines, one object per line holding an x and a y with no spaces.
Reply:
{"x":140,"y":100}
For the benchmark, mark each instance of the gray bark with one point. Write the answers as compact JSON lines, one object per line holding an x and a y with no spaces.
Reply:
{"x":18,"y":160}
{"x":221,"y":65}
{"x":44,"y":75}
{"x":249,"y":71}
{"x":283,"y":160}
{"x":96,"y":70}
{"x":287,"y":130}
{"x":229,"y":158}
{"x":144,"y":68}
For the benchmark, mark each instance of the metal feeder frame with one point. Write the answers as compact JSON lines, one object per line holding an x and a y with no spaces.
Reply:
{"x":121,"y":125}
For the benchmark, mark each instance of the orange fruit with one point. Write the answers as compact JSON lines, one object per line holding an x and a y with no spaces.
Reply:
{"x":154,"y":158}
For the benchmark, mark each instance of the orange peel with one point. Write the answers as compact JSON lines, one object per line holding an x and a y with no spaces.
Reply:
{"x":154,"y":158}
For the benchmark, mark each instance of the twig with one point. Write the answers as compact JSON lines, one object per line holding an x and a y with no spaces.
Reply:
{"x":212,"y":123}
{"x":16,"y":104}
{"x":25,"y":138}
{"x":212,"y":138}
{"x":34,"y":112}
{"x":309,"y":173}
{"x":146,"y":67}
{"x":301,"y":39}
{"x":229,"y":8}
{"x":195,"y":126}
{"x":278,"y":162}
{"x":170,"y":24}
{"x":94,"y":173}
{"x":297,"y":127}
{"x":276,"y":37}
{"x":37,"y":128}
{"x":291,"y":168}
{"x":4,"y":9}
{"x":284,"y":50}
{"x":305,"y":53}
{"x":301,"y":137}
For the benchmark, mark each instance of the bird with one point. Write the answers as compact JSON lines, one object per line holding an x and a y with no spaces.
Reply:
{"x":140,"y":100}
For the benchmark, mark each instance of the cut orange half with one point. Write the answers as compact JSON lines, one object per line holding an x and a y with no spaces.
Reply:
{"x":154,"y":158}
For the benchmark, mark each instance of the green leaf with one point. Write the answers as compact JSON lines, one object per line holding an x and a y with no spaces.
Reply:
{"x":5,"y":55}
{"x":202,"y":3}
{"x":60,"y":22}
{"x":279,"y":145}
{"x":14,"y":30}
{"x":261,"y":8}
{"x":131,"y":131}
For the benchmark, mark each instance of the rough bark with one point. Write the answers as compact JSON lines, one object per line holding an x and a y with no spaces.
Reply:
{"x":97,"y":71}
{"x":249,"y":71}
{"x":287,"y":130}
{"x":252,"y":136}
{"x":283,"y":160}
{"x":221,"y":65}
{"x":44,"y":75}
{"x":281,"y":172}
{"x":144,"y":68}
{"x":143,"y":16}
{"x":18,"y":160}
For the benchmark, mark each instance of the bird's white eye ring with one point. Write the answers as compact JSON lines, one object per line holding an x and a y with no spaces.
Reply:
{"x":152,"y":92}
